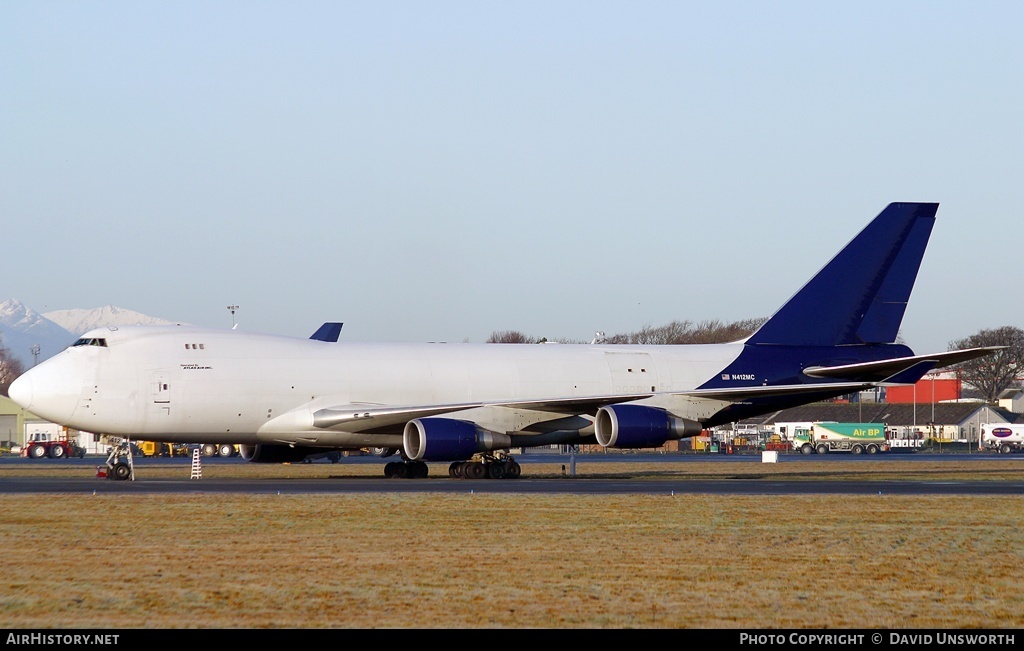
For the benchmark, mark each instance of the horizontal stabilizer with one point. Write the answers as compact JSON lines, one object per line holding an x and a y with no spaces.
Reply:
{"x":911,"y":375}
{"x":886,"y":369}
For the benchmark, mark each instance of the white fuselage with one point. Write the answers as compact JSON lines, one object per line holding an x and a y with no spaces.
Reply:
{"x":188,"y":384}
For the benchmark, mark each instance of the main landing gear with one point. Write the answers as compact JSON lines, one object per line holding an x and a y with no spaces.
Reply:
{"x":405,"y":470}
{"x":481,"y":466}
{"x":485,"y":467}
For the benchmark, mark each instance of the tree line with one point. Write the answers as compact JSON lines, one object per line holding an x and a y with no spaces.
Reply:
{"x":993,"y":374}
{"x":676,"y":332}
{"x":10,"y":368}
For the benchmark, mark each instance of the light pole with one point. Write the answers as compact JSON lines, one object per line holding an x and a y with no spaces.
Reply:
{"x":232,"y":308}
{"x":932,"y":374}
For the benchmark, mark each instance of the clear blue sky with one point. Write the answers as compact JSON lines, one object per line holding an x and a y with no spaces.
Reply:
{"x":435,"y":171}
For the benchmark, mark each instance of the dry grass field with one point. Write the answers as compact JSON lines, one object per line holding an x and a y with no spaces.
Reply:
{"x":518,"y":561}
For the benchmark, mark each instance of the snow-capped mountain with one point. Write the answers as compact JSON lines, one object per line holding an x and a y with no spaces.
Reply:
{"x":80,"y":320}
{"x":32,"y":337}
{"x":23,"y":331}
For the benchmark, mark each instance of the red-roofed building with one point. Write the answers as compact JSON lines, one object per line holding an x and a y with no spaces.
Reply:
{"x":930,"y":388}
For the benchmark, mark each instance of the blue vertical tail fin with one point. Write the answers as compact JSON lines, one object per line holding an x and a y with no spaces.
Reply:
{"x":328,"y":332}
{"x":860,"y":296}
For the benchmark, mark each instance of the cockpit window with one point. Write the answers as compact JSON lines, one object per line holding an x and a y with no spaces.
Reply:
{"x":91,"y":341}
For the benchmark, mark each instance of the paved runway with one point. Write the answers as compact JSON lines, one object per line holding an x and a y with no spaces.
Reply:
{"x":738,"y":484}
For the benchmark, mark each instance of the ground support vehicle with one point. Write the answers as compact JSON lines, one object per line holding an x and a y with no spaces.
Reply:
{"x":55,"y":446}
{"x":856,"y":438}
{"x":154,"y":449}
{"x":1002,"y":437}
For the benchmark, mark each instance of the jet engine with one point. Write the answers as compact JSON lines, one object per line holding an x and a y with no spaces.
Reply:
{"x":447,"y":439}
{"x":637,"y":426}
{"x":262,"y":453}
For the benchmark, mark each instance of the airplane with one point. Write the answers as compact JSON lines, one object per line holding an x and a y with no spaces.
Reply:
{"x":282,"y":399}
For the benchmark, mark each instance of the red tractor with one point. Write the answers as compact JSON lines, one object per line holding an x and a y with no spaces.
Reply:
{"x":57,"y":446}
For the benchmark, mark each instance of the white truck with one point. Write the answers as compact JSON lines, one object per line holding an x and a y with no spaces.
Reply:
{"x":856,"y":438}
{"x":1002,"y":437}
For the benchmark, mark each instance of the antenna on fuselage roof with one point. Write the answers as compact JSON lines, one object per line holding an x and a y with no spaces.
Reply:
{"x":233,"y":308}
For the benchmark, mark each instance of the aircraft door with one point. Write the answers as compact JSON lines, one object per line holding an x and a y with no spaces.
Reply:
{"x":160,"y":389}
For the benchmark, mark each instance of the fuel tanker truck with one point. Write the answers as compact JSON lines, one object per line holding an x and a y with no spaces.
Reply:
{"x":855,"y":438}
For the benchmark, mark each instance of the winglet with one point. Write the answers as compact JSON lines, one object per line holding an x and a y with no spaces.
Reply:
{"x":328,"y":332}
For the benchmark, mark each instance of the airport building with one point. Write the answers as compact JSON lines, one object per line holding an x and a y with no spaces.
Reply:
{"x":937,"y":422}
{"x":12,"y":423}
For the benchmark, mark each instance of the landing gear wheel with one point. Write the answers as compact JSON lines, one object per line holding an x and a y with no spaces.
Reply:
{"x":474,"y":470}
{"x":226,"y":450}
{"x":455,"y":470}
{"x":121,"y":471}
{"x":496,"y":470}
{"x":512,"y":469}
{"x":209,"y":449}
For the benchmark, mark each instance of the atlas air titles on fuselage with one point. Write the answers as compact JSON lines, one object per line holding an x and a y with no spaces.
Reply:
{"x":283,"y":398}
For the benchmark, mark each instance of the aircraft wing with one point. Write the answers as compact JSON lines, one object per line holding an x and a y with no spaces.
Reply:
{"x":888,"y":370}
{"x":372,"y":418}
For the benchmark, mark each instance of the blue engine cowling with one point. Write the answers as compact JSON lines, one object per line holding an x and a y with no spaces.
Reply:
{"x":637,"y":426}
{"x":447,"y":439}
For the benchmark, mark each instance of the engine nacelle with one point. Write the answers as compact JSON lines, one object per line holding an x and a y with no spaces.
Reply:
{"x":638,"y":426}
{"x":447,"y":439}
{"x":263,"y":453}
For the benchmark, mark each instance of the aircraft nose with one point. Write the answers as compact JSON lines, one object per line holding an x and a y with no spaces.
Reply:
{"x":20,"y":391}
{"x":48,"y":391}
